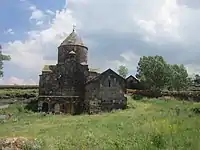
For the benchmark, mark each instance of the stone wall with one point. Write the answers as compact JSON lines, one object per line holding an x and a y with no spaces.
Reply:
{"x":47,"y":83}
{"x":67,"y":80}
{"x":64,"y":80}
{"x":92,"y":103}
{"x":105,"y":93}
{"x":71,"y":105}
{"x":112,"y":94}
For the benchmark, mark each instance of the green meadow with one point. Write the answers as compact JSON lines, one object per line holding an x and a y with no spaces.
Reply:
{"x":147,"y":124}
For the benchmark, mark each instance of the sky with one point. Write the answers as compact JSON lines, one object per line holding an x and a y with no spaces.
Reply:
{"x":116,"y":33}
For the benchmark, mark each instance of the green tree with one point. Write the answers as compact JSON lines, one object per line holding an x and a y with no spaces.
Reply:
{"x":153,"y":71}
{"x":179,"y":77}
{"x":123,"y":71}
{"x":156,"y":74}
{"x":3,"y":58}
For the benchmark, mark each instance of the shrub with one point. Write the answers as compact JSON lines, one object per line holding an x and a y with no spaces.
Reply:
{"x":18,"y":93}
{"x":137,"y":97}
{"x":32,"y":105}
{"x":19,"y":86}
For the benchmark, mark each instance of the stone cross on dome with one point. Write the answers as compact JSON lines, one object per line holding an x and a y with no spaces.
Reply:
{"x":74,"y":27}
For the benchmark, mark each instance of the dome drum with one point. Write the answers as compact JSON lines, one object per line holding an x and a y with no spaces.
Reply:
{"x":81,"y":53}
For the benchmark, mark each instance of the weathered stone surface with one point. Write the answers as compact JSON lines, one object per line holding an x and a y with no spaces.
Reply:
{"x":69,"y":86}
{"x":105,"y":92}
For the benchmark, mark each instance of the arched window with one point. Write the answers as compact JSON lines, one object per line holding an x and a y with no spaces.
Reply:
{"x":109,"y":81}
{"x":57,"y":108}
{"x":115,"y":81}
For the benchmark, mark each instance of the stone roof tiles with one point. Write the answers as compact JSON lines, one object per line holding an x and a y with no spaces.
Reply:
{"x":73,"y":39}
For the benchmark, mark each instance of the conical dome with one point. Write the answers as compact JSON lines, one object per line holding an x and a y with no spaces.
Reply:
{"x":73,"y":39}
{"x":72,"y":44}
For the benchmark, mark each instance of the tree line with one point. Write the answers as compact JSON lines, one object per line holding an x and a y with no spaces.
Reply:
{"x":156,"y":74}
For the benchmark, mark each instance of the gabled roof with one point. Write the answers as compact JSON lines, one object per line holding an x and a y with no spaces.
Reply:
{"x":132,"y":77}
{"x":73,"y":39}
{"x":102,"y":74}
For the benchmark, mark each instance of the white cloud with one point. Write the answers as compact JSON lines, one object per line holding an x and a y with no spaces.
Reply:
{"x":29,"y":54}
{"x":50,"y":12}
{"x":159,"y":20}
{"x":39,"y":23}
{"x":129,"y":59}
{"x":36,"y":13}
{"x":9,"y":31}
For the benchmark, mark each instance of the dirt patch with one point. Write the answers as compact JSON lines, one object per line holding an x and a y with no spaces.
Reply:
{"x":19,"y":143}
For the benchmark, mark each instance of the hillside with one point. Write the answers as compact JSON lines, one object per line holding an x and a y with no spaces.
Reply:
{"x":147,"y":124}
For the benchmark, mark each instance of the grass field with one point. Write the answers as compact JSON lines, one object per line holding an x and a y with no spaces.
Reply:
{"x":145,"y":125}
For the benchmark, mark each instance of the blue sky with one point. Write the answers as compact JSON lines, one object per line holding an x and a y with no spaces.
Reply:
{"x":116,"y":33}
{"x":15,"y":25}
{"x":15,"y":15}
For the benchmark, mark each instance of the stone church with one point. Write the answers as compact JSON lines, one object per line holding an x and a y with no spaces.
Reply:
{"x":70,"y":87}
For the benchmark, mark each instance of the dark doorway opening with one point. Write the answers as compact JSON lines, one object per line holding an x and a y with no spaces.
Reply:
{"x":45,"y":107}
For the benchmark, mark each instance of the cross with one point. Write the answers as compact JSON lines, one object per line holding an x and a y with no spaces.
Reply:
{"x":74,"y":26}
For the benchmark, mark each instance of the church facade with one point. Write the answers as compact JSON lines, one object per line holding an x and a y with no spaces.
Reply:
{"x":69,"y":87}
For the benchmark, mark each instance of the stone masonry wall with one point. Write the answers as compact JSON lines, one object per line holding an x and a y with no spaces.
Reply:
{"x":64,"y":102}
{"x":67,"y":80}
{"x":92,"y":103}
{"x":112,"y":94}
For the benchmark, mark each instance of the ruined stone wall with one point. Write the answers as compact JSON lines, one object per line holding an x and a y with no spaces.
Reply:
{"x":92,"y":104}
{"x":81,"y":53}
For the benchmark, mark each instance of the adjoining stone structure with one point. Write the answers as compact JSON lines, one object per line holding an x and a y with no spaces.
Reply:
{"x":132,"y":82}
{"x":69,"y":86}
{"x":105,"y":92}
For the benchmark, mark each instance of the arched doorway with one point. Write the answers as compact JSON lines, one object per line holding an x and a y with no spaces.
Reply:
{"x":57,"y":108}
{"x":45,"y":107}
